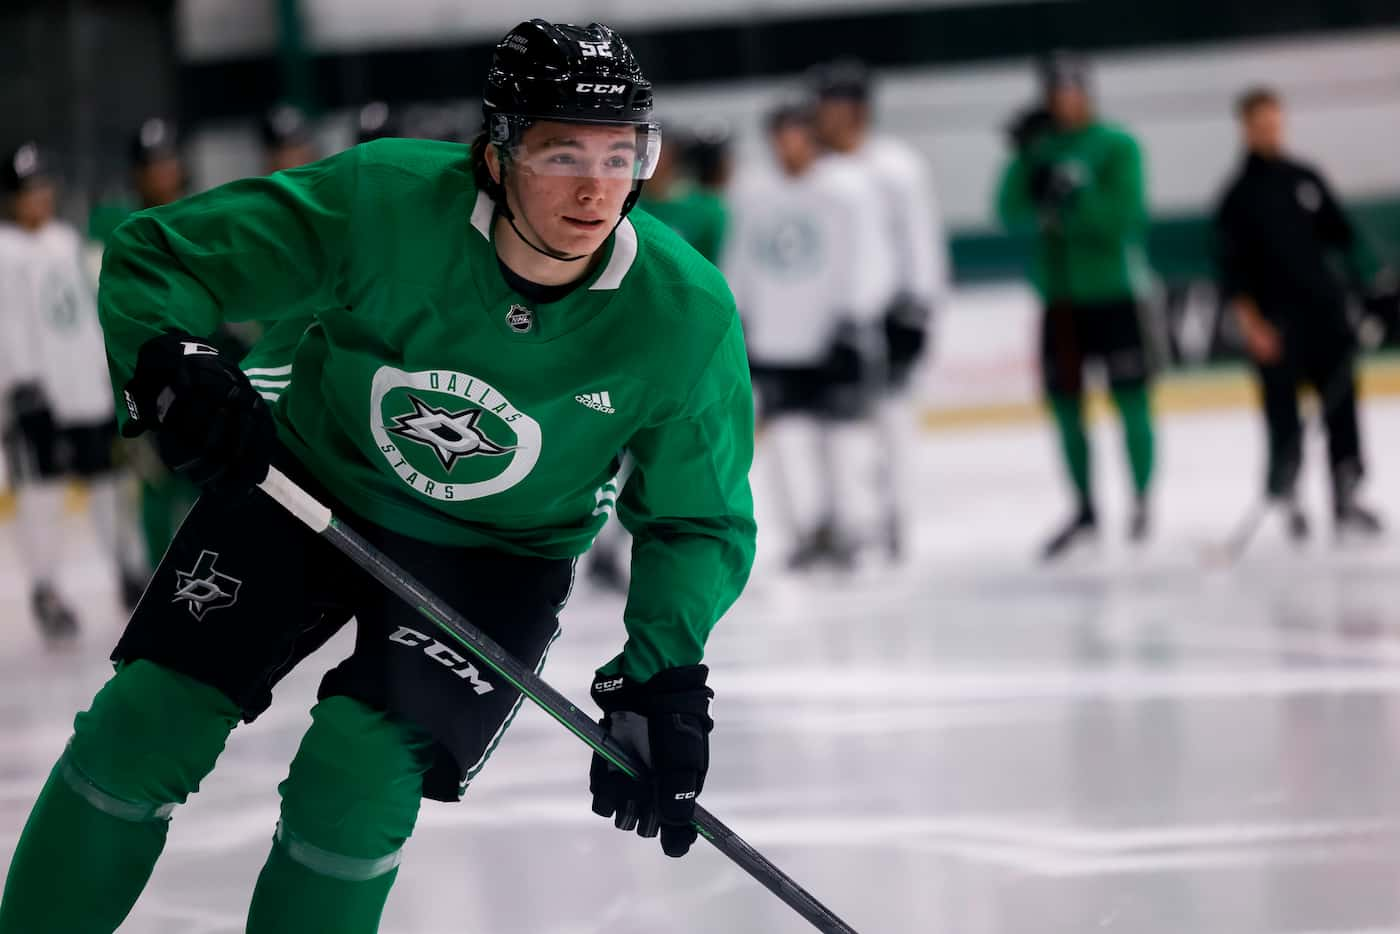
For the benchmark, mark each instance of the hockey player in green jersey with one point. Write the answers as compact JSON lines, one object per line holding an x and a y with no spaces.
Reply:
{"x":699,"y":216}
{"x":164,"y":497}
{"x":498,"y":354}
{"x":696,"y":213}
{"x":1077,"y":184}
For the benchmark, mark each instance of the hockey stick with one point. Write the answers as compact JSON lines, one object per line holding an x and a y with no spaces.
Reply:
{"x":1233,"y":548}
{"x":1228,"y":552}
{"x":345,"y":540}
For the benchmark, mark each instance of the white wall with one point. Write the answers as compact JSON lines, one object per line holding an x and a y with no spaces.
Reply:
{"x":1343,"y":95}
{"x":217,"y":28}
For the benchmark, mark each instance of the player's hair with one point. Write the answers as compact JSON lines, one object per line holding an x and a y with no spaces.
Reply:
{"x":477,"y":159}
{"x":1254,"y":98}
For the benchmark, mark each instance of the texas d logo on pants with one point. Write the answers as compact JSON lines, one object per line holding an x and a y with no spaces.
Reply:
{"x":204,"y":588}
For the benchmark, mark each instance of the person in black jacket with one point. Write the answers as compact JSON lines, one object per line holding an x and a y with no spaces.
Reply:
{"x":1279,"y":232}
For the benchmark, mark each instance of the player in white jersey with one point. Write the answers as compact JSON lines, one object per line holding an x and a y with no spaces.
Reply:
{"x":810,"y":273}
{"x":907,"y":206}
{"x":59,"y":418}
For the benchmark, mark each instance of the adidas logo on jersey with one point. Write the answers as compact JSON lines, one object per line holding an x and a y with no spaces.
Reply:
{"x":597,"y":401}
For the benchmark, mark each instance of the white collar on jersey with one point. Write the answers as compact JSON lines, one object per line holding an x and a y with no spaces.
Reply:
{"x":624,"y":252}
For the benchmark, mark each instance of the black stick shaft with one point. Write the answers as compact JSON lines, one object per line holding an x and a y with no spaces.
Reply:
{"x":306,"y":508}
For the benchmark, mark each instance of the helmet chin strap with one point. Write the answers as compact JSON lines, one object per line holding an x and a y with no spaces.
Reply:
{"x":547,"y":250}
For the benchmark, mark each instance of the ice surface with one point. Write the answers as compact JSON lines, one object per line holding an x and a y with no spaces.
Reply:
{"x":970,"y":744}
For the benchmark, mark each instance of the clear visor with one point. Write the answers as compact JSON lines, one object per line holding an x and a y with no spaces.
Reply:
{"x":588,"y":150}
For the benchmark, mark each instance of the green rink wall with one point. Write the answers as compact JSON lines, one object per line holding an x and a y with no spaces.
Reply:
{"x":1179,"y":247}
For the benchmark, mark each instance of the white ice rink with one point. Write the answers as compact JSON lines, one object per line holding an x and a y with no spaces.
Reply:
{"x":970,"y":745}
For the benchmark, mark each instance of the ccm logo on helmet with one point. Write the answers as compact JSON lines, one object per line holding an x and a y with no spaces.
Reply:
{"x":586,"y":88}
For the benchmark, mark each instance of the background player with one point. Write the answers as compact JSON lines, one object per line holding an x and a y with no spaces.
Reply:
{"x":914,"y":237}
{"x":376,"y":120}
{"x":710,"y":155}
{"x":465,"y":301}
{"x":286,"y":138}
{"x":809,"y":271}
{"x":1077,"y":184}
{"x":699,"y":216}
{"x":60,"y":418}
{"x":1278,"y":226}
{"x":674,"y":197}
{"x":164,"y":498}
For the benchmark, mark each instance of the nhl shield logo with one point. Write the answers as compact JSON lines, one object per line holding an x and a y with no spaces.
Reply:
{"x":520,"y":319}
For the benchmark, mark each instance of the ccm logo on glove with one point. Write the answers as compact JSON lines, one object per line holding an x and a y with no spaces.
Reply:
{"x":665,"y":723}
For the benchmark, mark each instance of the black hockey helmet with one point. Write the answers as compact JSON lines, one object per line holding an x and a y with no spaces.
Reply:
{"x":797,"y":109}
{"x":154,"y":140}
{"x":376,"y":120}
{"x":1063,"y":69}
{"x":549,"y":71}
{"x":843,"y":79}
{"x":572,"y":74}
{"x":25,"y":166}
{"x":711,"y":143}
{"x":284,"y":125}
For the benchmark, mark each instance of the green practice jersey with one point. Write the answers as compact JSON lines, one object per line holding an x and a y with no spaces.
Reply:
{"x":1097,"y":254}
{"x":699,"y":216}
{"x":106,"y":216}
{"x":437,"y":402}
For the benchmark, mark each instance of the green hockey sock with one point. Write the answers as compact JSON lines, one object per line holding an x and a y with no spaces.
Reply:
{"x":348,"y":806}
{"x":292,"y":898}
{"x":1135,"y":409}
{"x":77,"y":869}
{"x":1074,"y":443}
{"x":101,"y":819}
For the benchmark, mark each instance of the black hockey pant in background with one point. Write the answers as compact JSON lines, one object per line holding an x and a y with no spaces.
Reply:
{"x":1328,"y":366}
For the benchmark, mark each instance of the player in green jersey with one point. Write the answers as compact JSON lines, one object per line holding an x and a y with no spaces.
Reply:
{"x":696,"y":213}
{"x":699,"y":215}
{"x":164,"y":498}
{"x":498,"y":354}
{"x":1077,"y":183}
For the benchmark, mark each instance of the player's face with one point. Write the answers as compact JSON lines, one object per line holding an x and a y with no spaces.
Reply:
{"x":794,"y":146}
{"x":570,"y":181}
{"x":1069,"y":105}
{"x":35,"y":205}
{"x":840,"y":121}
{"x":1263,"y":129}
{"x":161,"y":182}
{"x":667,"y":166}
{"x":289,"y":156}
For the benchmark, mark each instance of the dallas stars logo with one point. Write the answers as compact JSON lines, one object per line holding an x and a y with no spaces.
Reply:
{"x":204,"y":588}
{"x":451,"y":435}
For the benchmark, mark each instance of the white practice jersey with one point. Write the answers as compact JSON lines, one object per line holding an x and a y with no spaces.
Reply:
{"x":48,"y":323}
{"x":802,"y":255}
{"x":915,"y":223}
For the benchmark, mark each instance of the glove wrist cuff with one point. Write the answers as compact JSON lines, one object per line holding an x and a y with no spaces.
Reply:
{"x":681,"y":690}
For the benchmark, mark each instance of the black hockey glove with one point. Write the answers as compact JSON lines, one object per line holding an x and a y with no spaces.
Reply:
{"x":1053,"y":186}
{"x":32,"y":414}
{"x":845,"y":357}
{"x":32,"y":418}
{"x":1028,"y":126}
{"x":849,"y":389}
{"x":209,"y":421}
{"x":1380,"y":305}
{"x":906,"y":334}
{"x":665,"y":723}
